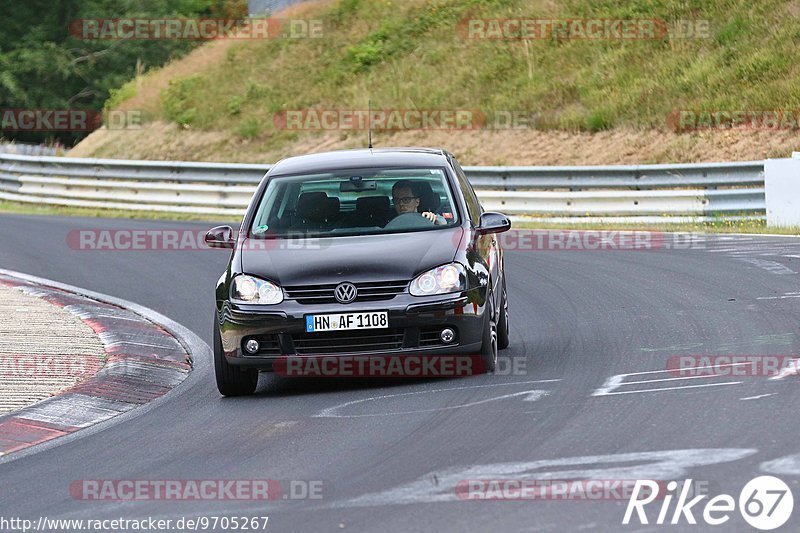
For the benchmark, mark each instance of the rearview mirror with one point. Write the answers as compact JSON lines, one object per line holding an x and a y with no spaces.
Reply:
{"x":358,"y":185}
{"x":220,"y":237}
{"x":493,"y":223}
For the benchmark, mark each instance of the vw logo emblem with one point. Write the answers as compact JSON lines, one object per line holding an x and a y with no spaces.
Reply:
{"x":345,"y":293}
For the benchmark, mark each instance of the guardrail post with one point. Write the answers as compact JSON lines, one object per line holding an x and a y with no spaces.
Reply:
{"x":504,"y":177}
{"x":782,"y":191}
{"x":713,"y":186}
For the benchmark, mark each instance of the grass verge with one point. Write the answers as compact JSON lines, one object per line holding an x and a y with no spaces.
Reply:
{"x":89,"y":212}
{"x":716,"y":226}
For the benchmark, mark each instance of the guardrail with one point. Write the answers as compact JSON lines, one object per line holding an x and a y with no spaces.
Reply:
{"x":30,"y":149}
{"x":687,"y":191}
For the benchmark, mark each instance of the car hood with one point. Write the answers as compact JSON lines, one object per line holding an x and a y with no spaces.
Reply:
{"x":389,"y":257}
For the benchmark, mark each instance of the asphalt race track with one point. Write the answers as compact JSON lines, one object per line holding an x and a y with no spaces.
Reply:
{"x":389,"y":453}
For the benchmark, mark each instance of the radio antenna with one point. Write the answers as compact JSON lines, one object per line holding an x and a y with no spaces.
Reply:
{"x":369,"y":118}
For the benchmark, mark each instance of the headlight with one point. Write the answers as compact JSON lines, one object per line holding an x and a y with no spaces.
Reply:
{"x":440,"y":280}
{"x":251,"y":290}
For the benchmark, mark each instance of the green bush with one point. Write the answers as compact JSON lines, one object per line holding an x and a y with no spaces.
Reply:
{"x":250,"y":128}
{"x":177,"y":100}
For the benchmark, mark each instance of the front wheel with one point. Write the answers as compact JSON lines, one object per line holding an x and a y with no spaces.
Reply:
{"x":231,"y":380}
{"x":503,"y":327}
{"x":489,"y":345}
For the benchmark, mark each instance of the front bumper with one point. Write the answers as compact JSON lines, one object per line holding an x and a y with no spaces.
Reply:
{"x":413,"y":328}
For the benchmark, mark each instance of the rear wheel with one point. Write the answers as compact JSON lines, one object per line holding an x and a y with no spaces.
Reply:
{"x":502,"y":322}
{"x":489,"y":346}
{"x":231,"y":380}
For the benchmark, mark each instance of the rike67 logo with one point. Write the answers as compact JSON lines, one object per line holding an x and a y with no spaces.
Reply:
{"x":765,"y":503}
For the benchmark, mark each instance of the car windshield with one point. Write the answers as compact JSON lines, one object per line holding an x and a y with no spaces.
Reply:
{"x":359,"y":202}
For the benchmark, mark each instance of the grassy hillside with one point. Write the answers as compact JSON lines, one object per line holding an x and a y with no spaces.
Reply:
{"x":593,"y":100}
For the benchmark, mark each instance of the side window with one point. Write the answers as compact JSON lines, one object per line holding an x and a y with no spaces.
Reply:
{"x":473,"y":205}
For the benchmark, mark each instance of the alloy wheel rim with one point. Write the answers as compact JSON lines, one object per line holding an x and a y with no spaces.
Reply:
{"x":493,"y":331}
{"x":505,"y":311}
{"x":494,"y":343}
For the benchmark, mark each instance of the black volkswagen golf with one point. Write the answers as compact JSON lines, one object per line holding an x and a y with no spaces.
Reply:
{"x":359,"y":253}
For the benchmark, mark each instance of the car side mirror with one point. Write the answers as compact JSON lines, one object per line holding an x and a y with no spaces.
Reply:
{"x":491,"y":222}
{"x":220,"y":237}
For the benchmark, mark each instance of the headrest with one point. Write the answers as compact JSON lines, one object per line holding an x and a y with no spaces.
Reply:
{"x":313,"y":206}
{"x":333,"y":205}
{"x":428,"y":200}
{"x":372,"y":204}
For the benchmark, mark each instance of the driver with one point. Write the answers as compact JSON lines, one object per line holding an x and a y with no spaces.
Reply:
{"x":406,"y":200}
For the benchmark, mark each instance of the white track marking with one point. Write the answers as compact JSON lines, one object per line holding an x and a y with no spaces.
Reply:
{"x":785,"y":295}
{"x":674,"y":370}
{"x":617,"y":381}
{"x":759,"y":396}
{"x":672,"y":379}
{"x":788,"y":465}
{"x":614,"y":382}
{"x":772,"y":267}
{"x":669,"y":464}
{"x":529,"y":396}
{"x":670,"y":388}
{"x":788,"y":370}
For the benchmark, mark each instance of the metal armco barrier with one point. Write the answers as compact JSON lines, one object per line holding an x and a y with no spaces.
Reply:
{"x":679,"y":192}
{"x":30,"y":149}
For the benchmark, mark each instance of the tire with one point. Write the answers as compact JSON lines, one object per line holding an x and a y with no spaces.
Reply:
{"x":489,"y":345}
{"x":231,"y":380}
{"x":502,"y":324}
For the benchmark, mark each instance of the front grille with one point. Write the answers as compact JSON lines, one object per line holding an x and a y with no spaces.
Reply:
{"x":349,"y":341}
{"x":367,"y":292}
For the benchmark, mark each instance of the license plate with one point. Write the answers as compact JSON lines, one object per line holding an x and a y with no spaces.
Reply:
{"x":347,"y":321}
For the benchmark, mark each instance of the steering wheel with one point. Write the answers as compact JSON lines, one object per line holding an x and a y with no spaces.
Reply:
{"x":408,"y":221}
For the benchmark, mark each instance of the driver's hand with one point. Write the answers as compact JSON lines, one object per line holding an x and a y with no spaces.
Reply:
{"x":432,"y":217}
